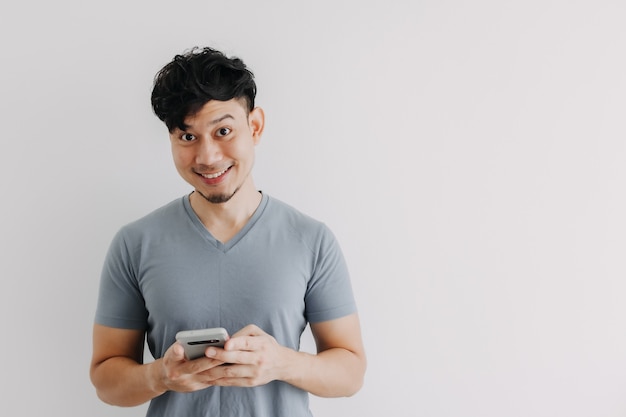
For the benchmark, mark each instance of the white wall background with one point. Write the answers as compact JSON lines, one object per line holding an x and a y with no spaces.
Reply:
{"x":470,"y":157}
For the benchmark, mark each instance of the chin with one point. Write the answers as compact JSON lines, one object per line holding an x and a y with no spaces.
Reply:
{"x":218,"y":198}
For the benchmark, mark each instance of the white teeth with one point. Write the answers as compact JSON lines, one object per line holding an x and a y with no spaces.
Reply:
{"x":217,"y":174}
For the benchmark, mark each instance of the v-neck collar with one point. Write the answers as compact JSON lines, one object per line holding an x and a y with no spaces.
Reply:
{"x":224,"y":247}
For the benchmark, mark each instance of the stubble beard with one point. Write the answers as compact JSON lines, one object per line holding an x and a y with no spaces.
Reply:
{"x":218,"y":198}
{"x":222,"y":198}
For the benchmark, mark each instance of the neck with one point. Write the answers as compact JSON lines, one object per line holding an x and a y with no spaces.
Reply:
{"x":224,"y":220}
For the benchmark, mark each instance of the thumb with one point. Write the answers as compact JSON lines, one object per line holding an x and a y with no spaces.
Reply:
{"x":178,"y":352}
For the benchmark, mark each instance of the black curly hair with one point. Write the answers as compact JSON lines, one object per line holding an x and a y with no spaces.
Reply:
{"x":197,"y":76}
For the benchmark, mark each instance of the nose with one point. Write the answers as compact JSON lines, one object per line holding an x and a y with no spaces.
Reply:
{"x":208,"y":152}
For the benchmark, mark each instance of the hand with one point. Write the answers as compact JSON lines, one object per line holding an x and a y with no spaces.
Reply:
{"x":253,"y":358}
{"x":179,"y":374}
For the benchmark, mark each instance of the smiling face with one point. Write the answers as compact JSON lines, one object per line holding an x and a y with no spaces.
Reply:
{"x":215,"y":151}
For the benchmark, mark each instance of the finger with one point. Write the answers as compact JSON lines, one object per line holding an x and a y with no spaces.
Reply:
{"x":246,"y":343}
{"x":178,"y":352}
{"x":201,"y":365}
{"x":232,"y":356}
{"x":174,"y":355}
{"x":236,"y":375}
{"x":232,"y":382}
{"x":249,"y":330}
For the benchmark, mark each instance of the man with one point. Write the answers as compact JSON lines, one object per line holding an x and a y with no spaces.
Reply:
{"x":226,"y":255}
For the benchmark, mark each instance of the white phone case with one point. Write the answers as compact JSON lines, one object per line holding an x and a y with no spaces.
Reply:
{"x":195,"y":342}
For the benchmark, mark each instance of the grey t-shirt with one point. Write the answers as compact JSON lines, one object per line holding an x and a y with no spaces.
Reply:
{"x":165,"y":273}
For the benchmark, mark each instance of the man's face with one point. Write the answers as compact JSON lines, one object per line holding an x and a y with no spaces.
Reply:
{"x":215,"y":153}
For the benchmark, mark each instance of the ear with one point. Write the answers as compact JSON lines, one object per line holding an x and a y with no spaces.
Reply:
{"x":256,"y":120}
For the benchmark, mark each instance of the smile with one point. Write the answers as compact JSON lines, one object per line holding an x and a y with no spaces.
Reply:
{"x":215,"y":175}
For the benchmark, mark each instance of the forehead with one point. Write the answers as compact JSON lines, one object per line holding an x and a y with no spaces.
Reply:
{"x":214,"y":111}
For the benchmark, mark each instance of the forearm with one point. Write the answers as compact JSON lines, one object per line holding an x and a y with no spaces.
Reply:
{"x":123,"y":382}
{"x":335,"y":372}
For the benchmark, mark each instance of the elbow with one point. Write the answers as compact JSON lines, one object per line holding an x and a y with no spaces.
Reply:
{"x":358,"y":377}
{"x":111,"y":399}
{"x":106,"y":393}
{"x":358,"y":383}
{"x":104,"y":398}
{"x":354,"y":389}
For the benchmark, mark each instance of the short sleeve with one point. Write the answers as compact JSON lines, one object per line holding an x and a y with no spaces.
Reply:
{"x":329,"y":293}
{"x":120,"y":302}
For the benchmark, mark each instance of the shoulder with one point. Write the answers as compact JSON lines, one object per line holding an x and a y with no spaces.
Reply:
{"x":160,"y":220}
{"x":304,"y":227}
{"x":168,"y":211}
{"x":278,"y":210}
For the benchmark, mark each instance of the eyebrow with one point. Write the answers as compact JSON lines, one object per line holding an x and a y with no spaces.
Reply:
{"x":220,"y":119}
{"x":212,"y":122}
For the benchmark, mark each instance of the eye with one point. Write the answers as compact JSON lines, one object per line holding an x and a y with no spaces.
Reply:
{"x":187,"y":137}
{"x":223,"y":131}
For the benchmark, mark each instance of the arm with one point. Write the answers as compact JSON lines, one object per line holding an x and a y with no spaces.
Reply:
{"x":120,"y":377}
{"x":336,"y":370}
{"x":116,"y":367}
{"x":339,"y":366}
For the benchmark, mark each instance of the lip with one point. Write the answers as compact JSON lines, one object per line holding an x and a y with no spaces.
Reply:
{"x":214,"y":180}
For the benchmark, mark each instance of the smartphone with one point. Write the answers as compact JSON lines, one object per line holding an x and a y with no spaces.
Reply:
{"x":195,"y":342}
